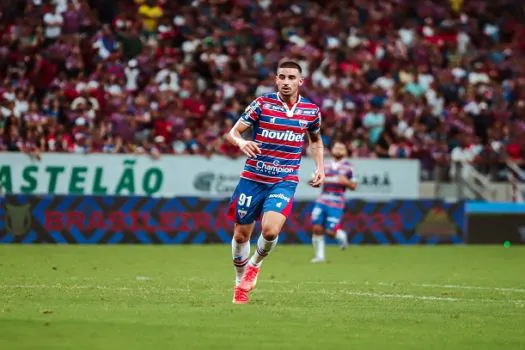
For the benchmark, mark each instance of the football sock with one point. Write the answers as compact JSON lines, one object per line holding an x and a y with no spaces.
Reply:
{"x":240,"y":255}
{"x":340,"y":235}
{"x":264,"y":247}
{"x":318,"y":243}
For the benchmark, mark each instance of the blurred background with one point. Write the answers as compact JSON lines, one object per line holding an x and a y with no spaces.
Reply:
{"x":429,"y":96}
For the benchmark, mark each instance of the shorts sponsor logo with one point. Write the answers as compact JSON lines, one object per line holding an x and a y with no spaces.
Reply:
{"x":242,"y":213}
{"x":279,"y":196}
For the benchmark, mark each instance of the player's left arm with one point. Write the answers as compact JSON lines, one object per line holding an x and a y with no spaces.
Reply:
{"x":317,"y":150}
{"x":351,"y":184}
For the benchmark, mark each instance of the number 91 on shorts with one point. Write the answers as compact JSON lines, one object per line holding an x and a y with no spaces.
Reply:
{"x":251,"y":200}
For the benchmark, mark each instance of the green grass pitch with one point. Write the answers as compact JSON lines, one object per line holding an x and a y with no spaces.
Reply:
{"x":179,"y":297}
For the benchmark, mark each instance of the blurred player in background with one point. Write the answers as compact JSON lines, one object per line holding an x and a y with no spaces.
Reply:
{"x":281,"y":121}
{"x":329,"y":207}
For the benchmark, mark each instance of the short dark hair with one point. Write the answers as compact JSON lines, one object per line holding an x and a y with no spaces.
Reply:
{"x":289,"y":63}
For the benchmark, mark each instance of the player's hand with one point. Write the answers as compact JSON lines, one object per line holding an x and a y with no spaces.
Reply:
{"x":343,"y":180}
{"x":350,"y":184}
{"x":318,"y":179}
{"x":250,"y":148}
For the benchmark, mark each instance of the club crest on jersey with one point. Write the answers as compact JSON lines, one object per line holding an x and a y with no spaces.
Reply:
{"x":303,"y":124}
{"x":242,"y":213}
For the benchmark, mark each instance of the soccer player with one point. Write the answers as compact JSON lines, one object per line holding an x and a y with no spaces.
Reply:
{"x":281,"y":121}
{"x":329,"y":207}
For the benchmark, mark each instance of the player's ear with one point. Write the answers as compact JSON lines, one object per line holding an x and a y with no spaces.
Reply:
{"x":301,"y":81}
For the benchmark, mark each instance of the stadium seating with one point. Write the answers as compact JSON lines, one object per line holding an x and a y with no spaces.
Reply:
{"x":435,"y":80}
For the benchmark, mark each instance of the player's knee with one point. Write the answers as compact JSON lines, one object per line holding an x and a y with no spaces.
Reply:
{"x":317,"y":230}
{"x":241,"y":234}
{"x":270,"y":232}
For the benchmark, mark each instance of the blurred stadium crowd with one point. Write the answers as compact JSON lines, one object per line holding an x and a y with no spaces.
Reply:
{"x":434,"y":80}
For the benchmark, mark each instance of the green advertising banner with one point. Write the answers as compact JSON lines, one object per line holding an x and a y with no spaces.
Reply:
{"x":171,"y":176}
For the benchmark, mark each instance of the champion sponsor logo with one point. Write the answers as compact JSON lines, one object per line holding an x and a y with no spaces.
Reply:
{"x":283,"y":135}
{"x":279,"y":196}
{"x":273,"y":169}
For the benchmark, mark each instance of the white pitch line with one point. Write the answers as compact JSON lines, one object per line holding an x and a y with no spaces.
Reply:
{"x":407,"y":296}
{"x":83,"y":287}
{"x":455,"y":286}
{"x":260,"y":291}
{"x":391,"y":284}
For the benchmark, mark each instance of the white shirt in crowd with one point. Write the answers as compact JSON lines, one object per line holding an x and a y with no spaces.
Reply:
{"x":53,"y":23}
{"x":425,"y":80}
{"x":173,"y":81}
{"x":385,"y":83}
{"x":478,"y":77}
{"x":132,"y":78}
{"x":462,"y":155}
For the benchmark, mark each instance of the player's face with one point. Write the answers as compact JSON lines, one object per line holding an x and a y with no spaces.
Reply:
{"x":288,"y":81}
{"x":339,"y":150}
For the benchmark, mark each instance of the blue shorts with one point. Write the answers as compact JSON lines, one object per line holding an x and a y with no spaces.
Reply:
{"x":252,"y":199}
{"x":326,"y":216}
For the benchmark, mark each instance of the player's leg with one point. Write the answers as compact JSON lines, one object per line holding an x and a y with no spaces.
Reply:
{"x":241,"y":248}
{"x":241,"y":255}
{"x":245,"y":207}
{"x":272,"y":223}
{"x":276,"y":208}
{"x":318,"y":233}
{"x":333,"y":226}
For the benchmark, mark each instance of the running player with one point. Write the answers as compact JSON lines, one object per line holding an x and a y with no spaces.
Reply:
{"x":280,"y":122}
{"x":329,"y":207}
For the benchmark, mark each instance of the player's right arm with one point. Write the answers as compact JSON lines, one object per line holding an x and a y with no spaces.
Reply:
{"x":248,"y":118}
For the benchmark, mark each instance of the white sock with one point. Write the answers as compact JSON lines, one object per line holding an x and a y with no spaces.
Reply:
{"x":318,"y":243}
{"x":340,"y":235}
{"x":264,"y":247}
{"x":240,"y":255}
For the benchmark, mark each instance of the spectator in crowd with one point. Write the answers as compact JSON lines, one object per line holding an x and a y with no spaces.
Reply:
{"x":433,"y":80}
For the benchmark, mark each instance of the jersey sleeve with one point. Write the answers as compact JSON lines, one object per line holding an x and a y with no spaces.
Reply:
{"x":252,"y":113}
{"x":315,"y":125}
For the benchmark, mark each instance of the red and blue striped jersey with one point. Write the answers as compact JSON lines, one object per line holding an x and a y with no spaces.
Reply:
{"x":333,"y":193}
{"x":280,"y":132}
